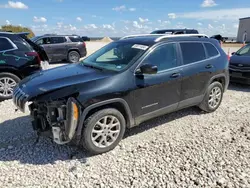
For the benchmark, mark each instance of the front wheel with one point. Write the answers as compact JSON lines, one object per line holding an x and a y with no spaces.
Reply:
{"x":213,"y":97}
{"x":7,"y":83}
{"x":103,"y":131}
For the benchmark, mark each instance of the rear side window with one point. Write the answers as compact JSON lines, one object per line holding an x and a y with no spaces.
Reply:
{"x":211,"y":50}
{"x":58,"y":40}
{"x":76,"y":39}
{"x":23,"y":46}
{"x":192,"y":52}
{"x":5,"y":44}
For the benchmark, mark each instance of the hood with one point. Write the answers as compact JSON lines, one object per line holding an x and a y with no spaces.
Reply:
{"x":236,"y":60}
{"x":60,"y":77}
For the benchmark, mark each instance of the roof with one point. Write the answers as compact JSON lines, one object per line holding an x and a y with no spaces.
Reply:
{"x":245,"y":18}
{"x":151,"y":40}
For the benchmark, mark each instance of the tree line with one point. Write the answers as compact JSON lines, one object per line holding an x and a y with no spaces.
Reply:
{"x":17,"y":29}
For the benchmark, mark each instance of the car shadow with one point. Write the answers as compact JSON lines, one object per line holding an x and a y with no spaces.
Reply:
{"x":239,"y":87}
{"x":167,"y":118}
{"x":18,"y":142}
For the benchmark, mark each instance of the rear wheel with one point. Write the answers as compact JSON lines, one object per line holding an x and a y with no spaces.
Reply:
{"x":7,"y":83}
{"x":73,"y":57}
{"x":213,"y":97}
{"x":103,"y":131}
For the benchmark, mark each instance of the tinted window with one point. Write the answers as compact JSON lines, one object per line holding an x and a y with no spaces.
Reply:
{"x":43,"y":41}
{"x":76,"y":39}
{"x":211,"y":50}
{"x":57,"y":40}
{"x":164,"y":57}
{"x":192,"y":52}
{"x":23,"y":46}
{"x":5,"y":44}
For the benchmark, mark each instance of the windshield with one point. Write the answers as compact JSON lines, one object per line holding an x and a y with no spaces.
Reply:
{"x":34,"y":38}
{"x":115,"y":56}
{"x":245,"y":51}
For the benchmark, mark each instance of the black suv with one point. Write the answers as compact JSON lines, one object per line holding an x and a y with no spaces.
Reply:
{"x":62,"y":47}
{"x":19,"y":57}
{"x":122,"y":85}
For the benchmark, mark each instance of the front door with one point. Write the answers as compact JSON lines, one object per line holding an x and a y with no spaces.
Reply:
{"x":159,"y":93}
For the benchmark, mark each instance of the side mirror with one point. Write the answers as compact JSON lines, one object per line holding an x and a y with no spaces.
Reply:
{"x":147,"y":69}
{"x":233,"y":53}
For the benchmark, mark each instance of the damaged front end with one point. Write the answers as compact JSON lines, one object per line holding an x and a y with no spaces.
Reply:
{"x":60,"y":117}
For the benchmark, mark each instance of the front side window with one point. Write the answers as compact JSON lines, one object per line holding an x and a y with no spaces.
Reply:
{"x":245,"y":51}
{"x":164,"y":57}
{"x":43,"y":41}
{"x":5,"y":44}
{"x":115,"y":56}
{"x":192,"y":52}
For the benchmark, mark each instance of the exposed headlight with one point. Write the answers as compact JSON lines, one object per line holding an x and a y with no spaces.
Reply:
{"x":72,"y":117}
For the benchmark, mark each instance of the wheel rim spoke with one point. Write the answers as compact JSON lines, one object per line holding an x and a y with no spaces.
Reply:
{"x":214,"y":97}
{"x":106,"y":131}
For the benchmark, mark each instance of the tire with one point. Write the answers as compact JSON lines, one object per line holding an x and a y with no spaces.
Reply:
{"x":73,"y":57}
{"x":206,"y":104}
{"x":90,"y":139}
{"x":12,"y":81}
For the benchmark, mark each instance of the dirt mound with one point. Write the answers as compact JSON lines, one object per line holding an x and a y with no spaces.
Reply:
{"x":106,"y":39}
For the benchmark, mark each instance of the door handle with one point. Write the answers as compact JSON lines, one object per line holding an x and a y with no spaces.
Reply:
{"x":209,"y":66}
{"x":175,"y":75}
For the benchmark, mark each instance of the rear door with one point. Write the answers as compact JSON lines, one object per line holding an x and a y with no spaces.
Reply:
{"x":45,"y":43}
{"x":196,"y":71}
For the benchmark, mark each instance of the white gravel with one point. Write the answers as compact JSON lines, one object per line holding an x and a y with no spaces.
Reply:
{"x":183,"y":149}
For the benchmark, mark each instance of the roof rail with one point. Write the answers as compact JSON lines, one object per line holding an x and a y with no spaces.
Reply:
{"x":141,"y":35}
{"x":180,"y":35}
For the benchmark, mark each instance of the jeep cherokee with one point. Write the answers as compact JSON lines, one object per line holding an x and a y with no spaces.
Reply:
{"x":122,"y":85}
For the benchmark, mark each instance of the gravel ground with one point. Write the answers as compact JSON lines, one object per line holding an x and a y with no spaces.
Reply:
{"x":183,"y":149}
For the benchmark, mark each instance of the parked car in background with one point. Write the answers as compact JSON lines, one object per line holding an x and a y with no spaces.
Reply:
{"x":175,"y":31}
{"x":62,"y":47}
{"x":85,"y":38}
{"x":240,"y":65}
{"x":122,"y":85}
{"x":19,"y":58}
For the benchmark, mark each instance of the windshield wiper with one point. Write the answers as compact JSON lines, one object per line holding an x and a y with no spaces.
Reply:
{"x":93,"y":67}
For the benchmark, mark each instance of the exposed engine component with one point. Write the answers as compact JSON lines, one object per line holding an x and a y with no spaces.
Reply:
{"x":60,"y":117}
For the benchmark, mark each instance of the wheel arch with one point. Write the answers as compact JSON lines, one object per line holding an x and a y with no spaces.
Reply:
{"x":221,"y":78}
{"x":118,"y":103}
{"x":74,"y":49}
{"x":12,"y":71}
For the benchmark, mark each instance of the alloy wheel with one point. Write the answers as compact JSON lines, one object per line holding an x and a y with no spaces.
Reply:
{"x":7,"y":85}
{"x":74,"y":57}
{"x":106,"y":131}
{"x":214,"y":97}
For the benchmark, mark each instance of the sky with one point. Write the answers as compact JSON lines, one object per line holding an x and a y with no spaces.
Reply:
{"x":117,"y":18}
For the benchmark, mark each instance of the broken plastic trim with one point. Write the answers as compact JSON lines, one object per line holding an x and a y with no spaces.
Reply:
{"x":65,"y":132}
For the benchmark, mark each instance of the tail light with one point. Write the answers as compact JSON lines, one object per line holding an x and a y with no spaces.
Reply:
{"x":34,"y":54}
{"x":84,"y":44}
